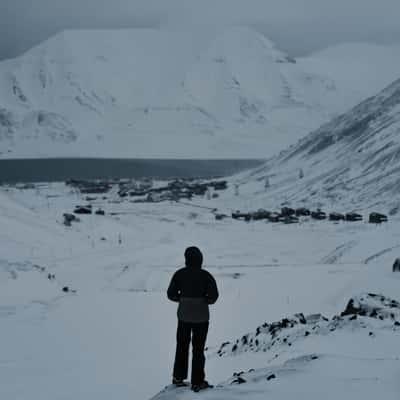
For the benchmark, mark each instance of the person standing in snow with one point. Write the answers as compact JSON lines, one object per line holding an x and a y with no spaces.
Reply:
{"x":194,"y":289}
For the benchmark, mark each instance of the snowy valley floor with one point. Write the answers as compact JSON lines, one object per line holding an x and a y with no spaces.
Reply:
{"x":115,"y":337}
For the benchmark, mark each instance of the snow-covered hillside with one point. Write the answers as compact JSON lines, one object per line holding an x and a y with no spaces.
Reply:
{"x":351,"y":163}
{"x":147,"y":93}
{"x":365,"y":68}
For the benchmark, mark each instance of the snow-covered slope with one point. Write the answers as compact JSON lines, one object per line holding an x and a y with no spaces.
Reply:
{"x":101,"y":339}
{"x":366,"y":68}
{"x":350,"y":163}
{"x":147,"y":93}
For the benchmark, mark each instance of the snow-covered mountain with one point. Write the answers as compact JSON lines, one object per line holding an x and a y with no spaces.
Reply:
{"x":352,"y":162}
{"x":148,"y":93}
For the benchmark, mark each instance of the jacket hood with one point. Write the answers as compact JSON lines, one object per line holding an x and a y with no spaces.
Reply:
{"x":193,"y":257}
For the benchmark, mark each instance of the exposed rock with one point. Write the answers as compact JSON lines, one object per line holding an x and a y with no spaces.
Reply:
{"x":288,"y":331}
{"x":373,"y":306}
{"x":239,"y":380}
{"x":68,"y":218}
{"x":7,"y":124}
{"x":67,"y":289}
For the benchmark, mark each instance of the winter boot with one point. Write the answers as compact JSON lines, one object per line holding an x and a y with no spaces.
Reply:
{"x":179,"y":382}
{"x":201,"y":386}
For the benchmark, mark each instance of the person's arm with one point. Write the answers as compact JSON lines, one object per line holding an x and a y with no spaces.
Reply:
{"x":212,"y":290}
{"x":173,"y":291}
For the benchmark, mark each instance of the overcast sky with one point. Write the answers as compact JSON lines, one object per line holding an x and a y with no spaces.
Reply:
{"x":297,"y":26}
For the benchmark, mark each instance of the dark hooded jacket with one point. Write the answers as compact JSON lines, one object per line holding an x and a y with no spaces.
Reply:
{"x":193,"y":288}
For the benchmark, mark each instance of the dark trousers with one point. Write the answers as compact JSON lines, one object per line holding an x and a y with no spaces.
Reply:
{"x":197,"y":333}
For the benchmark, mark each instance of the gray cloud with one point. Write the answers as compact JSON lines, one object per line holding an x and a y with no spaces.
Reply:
{"x":298,"y":26}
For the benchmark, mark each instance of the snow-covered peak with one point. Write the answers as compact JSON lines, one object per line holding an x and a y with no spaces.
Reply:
{"x":231,"y":40}
{"x":239,"y":75}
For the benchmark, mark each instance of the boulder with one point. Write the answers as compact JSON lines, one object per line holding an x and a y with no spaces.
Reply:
{"x":239,"y":380}
{"x":68,"y":218}
{"x":372,"y":305}
{"x":396,"y":265}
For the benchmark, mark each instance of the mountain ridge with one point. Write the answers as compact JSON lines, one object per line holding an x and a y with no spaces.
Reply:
{"x":158,"y":94}
{"x":350,"y":162}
